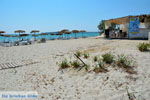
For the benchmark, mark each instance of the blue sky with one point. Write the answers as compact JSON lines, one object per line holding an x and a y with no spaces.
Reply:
{"x":54,"y":15}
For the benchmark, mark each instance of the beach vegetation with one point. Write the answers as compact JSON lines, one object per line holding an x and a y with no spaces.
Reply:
{"x":95,"y":59}
{"x":78,"y":53}
{"x":101,"y":26}
{"x":126,"y":62}
{"x":108,"y":58}
{"x":64,"y":64}
{"x":100,"y":67}
{"x":86,"y":55}
{"x":75,"y":64}
{"x":86,"y":67}
{"x":123,"y":61}
{"x":143,"y":47}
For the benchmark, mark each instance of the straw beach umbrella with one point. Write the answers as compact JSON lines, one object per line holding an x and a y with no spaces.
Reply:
{"x":44,"y":34}
{"x":19,"y":31}
{"x":67,"y":33}
{"x":34,"y":31}
{"x":59,"y":33}
{"x":75,"y":32}
{"x":51,"y":37}
{"x":2,"y":32}
{"x":63,"y":31}
{"x":82,"y":31}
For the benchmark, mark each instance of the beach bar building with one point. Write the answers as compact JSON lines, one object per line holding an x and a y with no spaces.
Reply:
{"x":130,"y":27}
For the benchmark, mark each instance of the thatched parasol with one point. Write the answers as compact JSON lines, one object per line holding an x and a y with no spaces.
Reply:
{"x":67,"y":32}
{"x":34,"y":31}
{"x":75,"y":31}
{"x":59,"y":33}
{"x":19,"y":31}
{"x":82,"y":31}
{"x":2,"y":32}
{"x":64,"y":30}
{"x":44,"y":34}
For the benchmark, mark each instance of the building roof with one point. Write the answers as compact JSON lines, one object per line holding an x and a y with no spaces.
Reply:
{"x":123,"y":20}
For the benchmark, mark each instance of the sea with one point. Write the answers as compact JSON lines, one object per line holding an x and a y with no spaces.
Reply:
{"x":49,"y":36}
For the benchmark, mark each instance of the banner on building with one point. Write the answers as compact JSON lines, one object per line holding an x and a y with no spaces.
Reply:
{"x":134,"y":25}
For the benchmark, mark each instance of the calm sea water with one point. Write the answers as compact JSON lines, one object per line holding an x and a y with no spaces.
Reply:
{"x":49,"y":37}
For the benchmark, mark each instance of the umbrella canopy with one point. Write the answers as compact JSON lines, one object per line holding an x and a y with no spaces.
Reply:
{"x":8,"y":35}
{"x":75,"y":31}
{"x":82,"y":31}
{"x":2,"y":32}
{"x":35,"y":31}
{"x":44,"y":34}
{"x":64,"y":30}
{"x":35,"y":35}
{"x":59,"y":33}
{"x":67,"y":32}
{"x":19,"y":31}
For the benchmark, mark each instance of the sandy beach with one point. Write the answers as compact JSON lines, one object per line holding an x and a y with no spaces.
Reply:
{"x":51,"y":84}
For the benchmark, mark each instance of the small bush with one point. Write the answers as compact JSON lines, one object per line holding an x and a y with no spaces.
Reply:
{"x":143,"y":47}
{"x":78,"y":53}
{"x":108,"y":58}
{"x":126,"y":63}
{"x":95,"y":58}
{"x":86,"y":67}
{"x":64,"y":64}
{"x":76,"y":64}
{"x":86,"y":55}
{"x":100,"y":68}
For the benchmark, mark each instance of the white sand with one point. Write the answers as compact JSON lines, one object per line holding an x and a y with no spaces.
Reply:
{"x":52,"y":84}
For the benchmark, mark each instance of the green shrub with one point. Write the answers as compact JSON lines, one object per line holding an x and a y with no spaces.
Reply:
{"x":95,"y":58}
{"x":86,"y":67}
{"x":64,"y":64}
{"x":124,"y":61}
{"x":78,"y":53}
{"x":143,"y":47}
{"x":100,"y":67}
{"x":108,"y":58}
{"x":86,"y":55}
{"x":76,"y":64}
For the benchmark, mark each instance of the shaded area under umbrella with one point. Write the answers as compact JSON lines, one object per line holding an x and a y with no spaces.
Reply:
{"x":19,"y":31}
{"x":82,"y":31}
{"x":35,"y":35}
{"x":75,"y":32}
{"x":67,"y":33}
